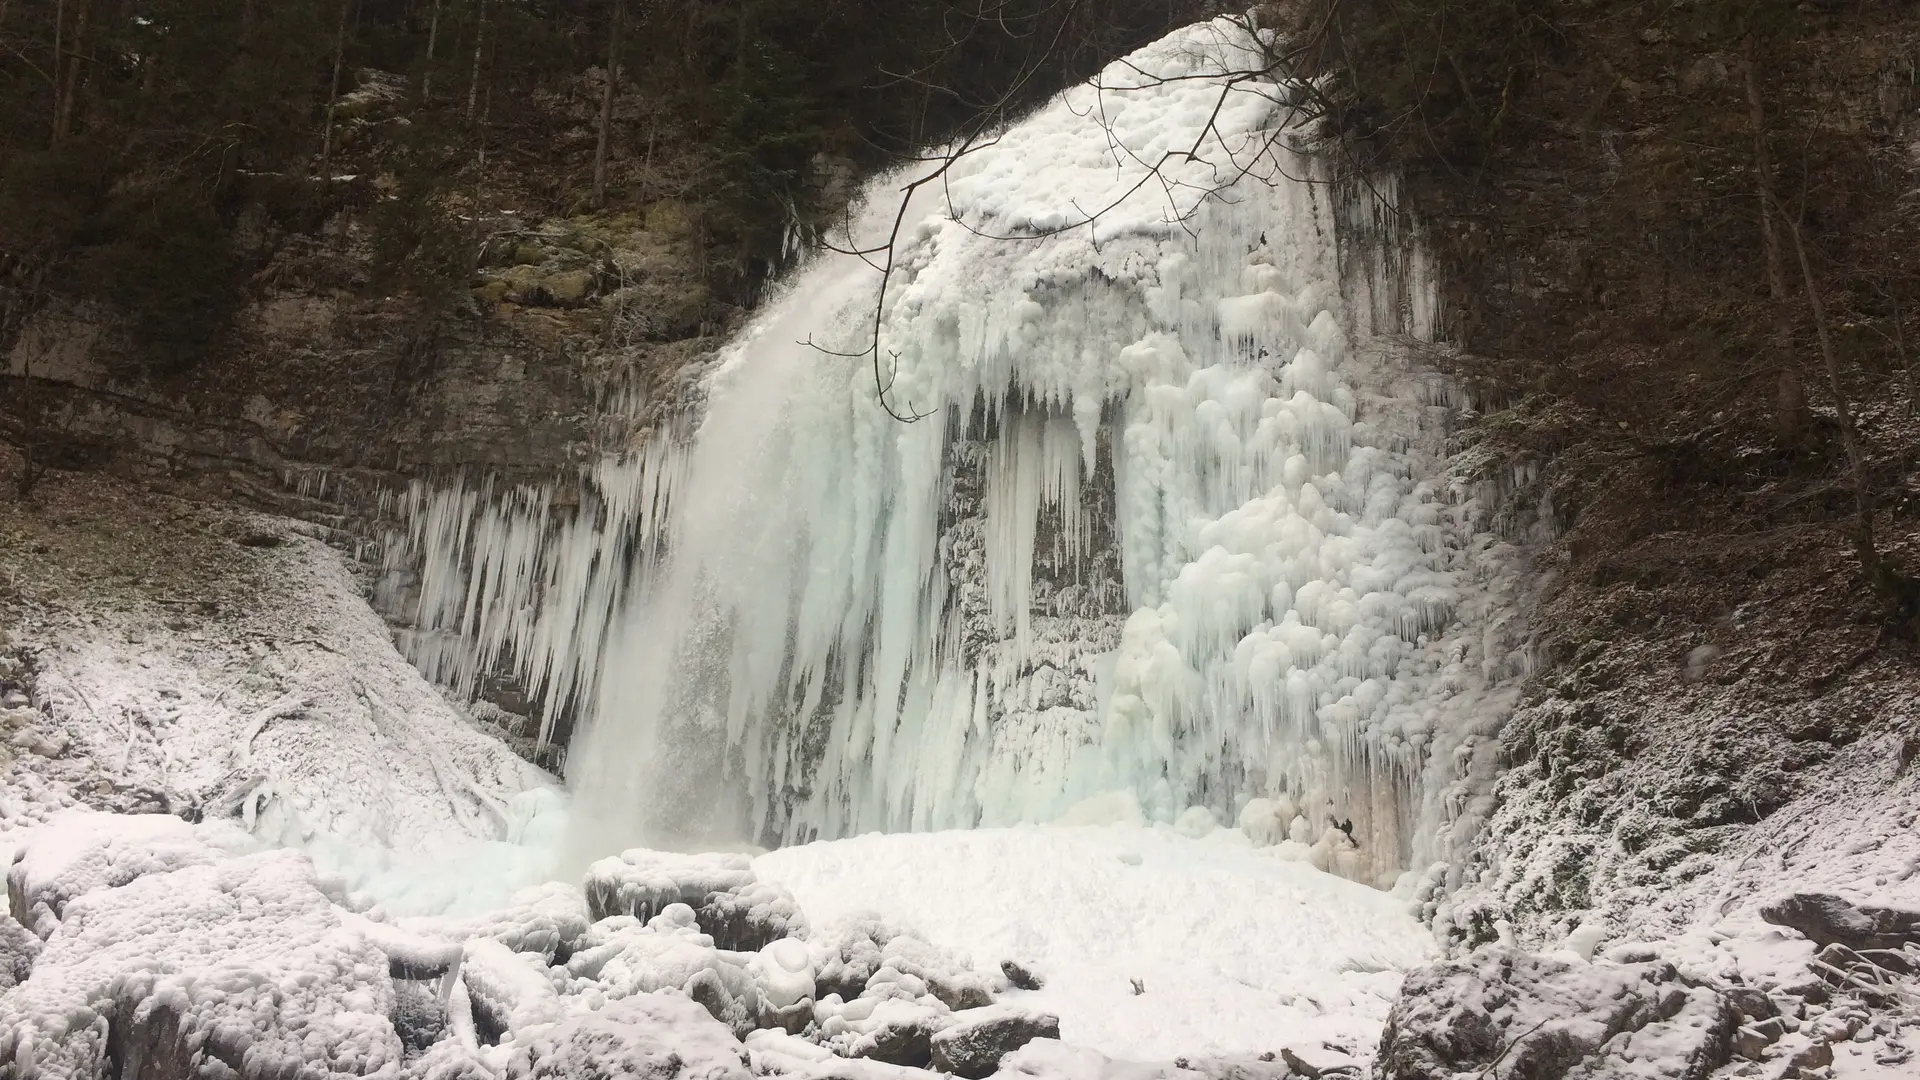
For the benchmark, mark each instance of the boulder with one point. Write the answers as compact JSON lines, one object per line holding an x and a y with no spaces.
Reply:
{"x":1541,"y":1018}
{"x":978,"y":1038}
{"x":1827,"y":919}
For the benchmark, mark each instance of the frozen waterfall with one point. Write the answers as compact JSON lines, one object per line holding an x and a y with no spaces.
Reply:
{"x":1174,"y":521}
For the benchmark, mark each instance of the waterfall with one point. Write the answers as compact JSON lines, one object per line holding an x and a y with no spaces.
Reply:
{"x":1173,"y":519}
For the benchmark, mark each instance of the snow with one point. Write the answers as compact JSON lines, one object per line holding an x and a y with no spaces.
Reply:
{"x":1239,"y":951}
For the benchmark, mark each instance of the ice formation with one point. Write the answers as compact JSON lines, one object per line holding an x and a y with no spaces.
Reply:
{"x":1172,"y":519}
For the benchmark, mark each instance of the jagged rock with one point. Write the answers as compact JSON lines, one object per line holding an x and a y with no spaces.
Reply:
{"x":1827,"y":919}
{"x":658,"y":1036}
{"x":1543,"y":1019}
{"x":973,"y":1046}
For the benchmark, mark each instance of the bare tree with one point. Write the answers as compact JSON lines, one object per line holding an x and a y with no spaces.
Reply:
{"x":606,"y":105}
{"x":1266,"y":76}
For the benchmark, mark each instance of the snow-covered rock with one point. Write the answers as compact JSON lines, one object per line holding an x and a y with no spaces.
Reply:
{"x":548,"y":919}
{"x":625,"y":958}
{"x":244,"y":961}
{"x":1541,"y":1018}
{"x":978,"y":1038}
{"x":1827,"y":919}
{"x":79,"y":851}
{"x":896,"y":1029}
{"x":732,"y":905}
{"x":655,"y":1036}
{"x":507,"y":991}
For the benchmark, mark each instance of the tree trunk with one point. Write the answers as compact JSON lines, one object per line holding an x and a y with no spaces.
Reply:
{"x":433,"y":38}
{"x":333,"y":91}
{"x":606,"y":107}
{"x":59,"y":47}
{"x":479,"y":50}
{"x":63,"y":120}
{"x":1790,"y":405}
{"x":1898,"y":589}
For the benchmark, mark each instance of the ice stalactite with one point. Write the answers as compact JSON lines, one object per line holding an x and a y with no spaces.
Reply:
{"x":1174,"y":520}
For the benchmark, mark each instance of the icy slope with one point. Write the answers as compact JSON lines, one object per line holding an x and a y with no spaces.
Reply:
{"x":213,"y":663}
{"x":1171,"y":519}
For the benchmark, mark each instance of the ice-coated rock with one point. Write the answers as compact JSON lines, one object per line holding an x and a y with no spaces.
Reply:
{"x":1542,"y":1018}
{"x":738,"y":910}
{"x":79,"y":851}
{"x":669,"y":952}
{"x":508,"y":991}
{"x":548,"y":919}
{"x":243,"y":962}
{"x":656,"y":1036}
{"x":977,"y":1039}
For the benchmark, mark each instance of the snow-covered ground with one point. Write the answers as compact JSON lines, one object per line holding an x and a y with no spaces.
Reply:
{"x":1236,"y":950}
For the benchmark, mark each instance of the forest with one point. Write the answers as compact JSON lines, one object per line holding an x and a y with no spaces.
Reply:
{"x":139,"y":132}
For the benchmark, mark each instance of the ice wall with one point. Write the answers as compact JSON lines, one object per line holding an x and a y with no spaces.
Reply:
{"x":1172,"y":520}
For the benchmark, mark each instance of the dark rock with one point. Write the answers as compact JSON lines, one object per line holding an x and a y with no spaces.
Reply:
{"x":907,"y":1041}
{"x":1021,"y":976}
{"x":1752,"y":1003}
{"x":979,"y":1038}
{"x":1827,"y":919}
{"x":418,"y":1017}
{"x":1537,"y":1018}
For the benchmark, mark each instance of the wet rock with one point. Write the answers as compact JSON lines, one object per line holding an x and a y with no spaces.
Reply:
{"x":1827,"y":919}
{"x":973,"y":1046}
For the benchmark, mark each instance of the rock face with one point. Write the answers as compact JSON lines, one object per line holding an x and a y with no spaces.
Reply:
{"x":979,"y":1038}
{"x":1538,"y":1018}
{"x":1827,"y":920}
